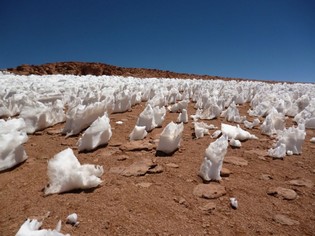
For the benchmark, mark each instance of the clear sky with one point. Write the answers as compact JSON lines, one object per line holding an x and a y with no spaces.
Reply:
{"x":255,"y":39}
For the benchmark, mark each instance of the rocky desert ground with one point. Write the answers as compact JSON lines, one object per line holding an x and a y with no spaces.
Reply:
{"x":143,"y":193}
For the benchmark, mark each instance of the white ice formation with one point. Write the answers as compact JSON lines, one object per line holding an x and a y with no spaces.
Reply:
{"x":40,"y":116}
{"x":138,"y":133}
{"x":236,"y":132}
{"x":170,"y":138}
{"x":82,"y":116}
{"x":42,"y":100}
{"x":99,"y":133}
{"x":159,"y":115}
{"x":213,"y":160}
{"x":183,"y":117}
{"x":178,"y":107}
{"x":307,"y":115}
{"x":235,"y":143}
{"x":216,"y":134}
{"x":289,"y":140}
{"x":65,"y":173}
{"x":12,"y":138}
{"x":147,"y":119}
{"x":202,"y":129}
{"x":232,"y":114}
{"x":250,"y":125}
{"x":32,"y":228}
{"x":273,"y":123}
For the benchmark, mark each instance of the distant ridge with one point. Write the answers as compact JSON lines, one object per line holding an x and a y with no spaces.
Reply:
{"x":88,"y":68}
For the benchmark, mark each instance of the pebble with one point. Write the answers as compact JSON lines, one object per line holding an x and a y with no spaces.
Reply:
{"x":209,"y":191}
{"x":115,"y":144}
{"x":285,"y":220}
{"x":233,"y":203}
{"x":73,"y":219}
{"x":285,"y":193}
{"x":301,"y":183}
{"x":208,"y":208}
{"x":122,"y":158}
{"x":172,"y":165}
{"x":225,"y":172}
{"x":265,"y":177}
{"x":144,"y":184}
{"x":181,"y":201}
{"x":155,"y":170}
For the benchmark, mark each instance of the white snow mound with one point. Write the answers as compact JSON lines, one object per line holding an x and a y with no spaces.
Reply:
{"x":32,"y":228}
{"x":147,"y":119}
{"x":236,"y":132}
{"x":138,"y":133}
{"x":11,"y":143}
{"x":289,"y":141}
{"x":183,"y":117}
{"x":202,"y":129}
{"x":65,"y":173}
{"x":170,"y":138}
{"x":214,"y":155}
{"x":99,"y":133}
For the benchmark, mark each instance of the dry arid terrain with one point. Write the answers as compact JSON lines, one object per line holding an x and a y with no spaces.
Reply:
{"x":143,"y":193}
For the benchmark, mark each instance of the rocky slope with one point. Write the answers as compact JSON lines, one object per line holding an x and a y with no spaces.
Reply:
{"x":87,"y":68}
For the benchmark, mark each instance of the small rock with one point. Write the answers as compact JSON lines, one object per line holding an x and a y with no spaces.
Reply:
{"x":138,"y":168}
{"x":122,"y":158}
{"x":209,"y":191}
{"x":235,"y":161}
{"x":287,"y":194}
{"x":137,"y":145}
{"x":72,"y":219}
{"x":114,"y":144}
{"x":225,"y":172}
{"x":233,"y":203}
{"x":265,"y":177}
{"x":106,"y":224}
{"x":208,"y":208}
{"x":181,"y":201}
{"x":144,"y":184}
{"x":301,"y":183}
{"x":285,"y":220}
{"x":172,"y":165}
{"x":155,"y":170}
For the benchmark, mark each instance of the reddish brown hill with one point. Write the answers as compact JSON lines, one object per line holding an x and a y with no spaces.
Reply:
{"x":84,"y":68}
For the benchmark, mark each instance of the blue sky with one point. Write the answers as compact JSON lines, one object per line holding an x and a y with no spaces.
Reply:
{"x":263,"y":40}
